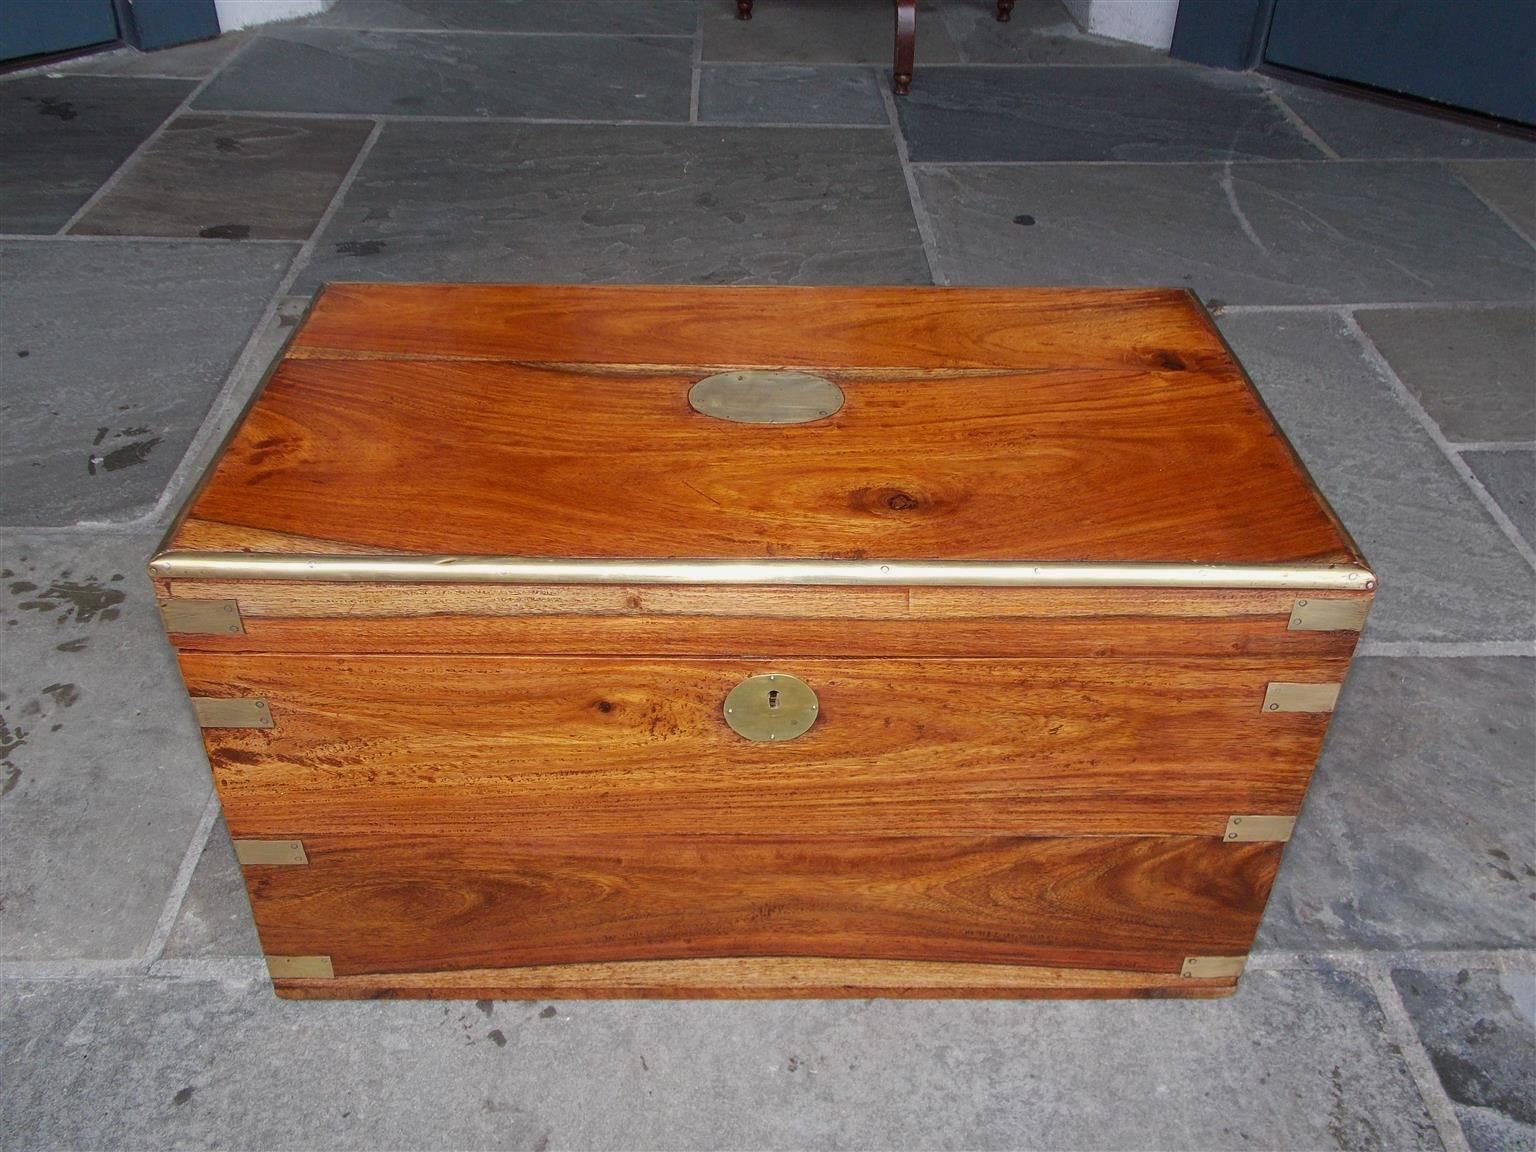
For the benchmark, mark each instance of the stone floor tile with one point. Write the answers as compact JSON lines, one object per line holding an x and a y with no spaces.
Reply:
{"x":1479,"y":1028}
{"x":1417,"y":831}
{"x":821,"y":32}
{"x":1039,"y":32}
{"x":62,"y":137}
{"x":1295,"y":1060}
{"x":1447,"y":570}
{"x":184,"y":61}
{"x":113,"y":352}
{"x":1509,"y":185}
{"x":230,"y":178}
{"x":614,"y":17}
{"x":602,"y":204}
{"x":1510,"y":478}
{"x":215,"y":918}
{"x":1358,"y":127}
{"x":1474,"y":371}
{"x":791,"y":94}
{"x":1249,"y":234}
{"x":303,"y":69}
{"x":102,"y":774}
{"x":1161,"y":113}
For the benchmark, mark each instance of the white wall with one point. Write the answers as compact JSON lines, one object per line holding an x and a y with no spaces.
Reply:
{"x":243,"y":13}
{"x":1148,"y":22}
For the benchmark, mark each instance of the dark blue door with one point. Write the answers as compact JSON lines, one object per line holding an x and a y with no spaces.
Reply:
{"x":1473,"y":54}
{"x":42,"y":27}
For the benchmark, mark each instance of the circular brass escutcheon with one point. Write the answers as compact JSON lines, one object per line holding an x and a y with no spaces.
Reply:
{"x":773,"y":706}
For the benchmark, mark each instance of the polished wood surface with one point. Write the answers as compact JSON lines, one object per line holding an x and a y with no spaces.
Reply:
{"x":742,"y":621}
{"x":763,"y":327}
{"x":1103,"y":426}
{"x":398,"y":901}
{"x":551,"y":463}
{"x":758,"y":978}
{"x":597,"y":745}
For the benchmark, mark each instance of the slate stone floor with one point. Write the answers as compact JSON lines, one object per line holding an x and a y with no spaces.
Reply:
{"x":163,"y":218}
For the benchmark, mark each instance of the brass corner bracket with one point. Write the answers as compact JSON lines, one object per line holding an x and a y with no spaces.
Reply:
{"x":1212,"y":967}
{"x":300,"y":968}
{"x":1324,"y":615}
{"x":231,"y":712}
{"x":270,"y":853}
{"x":1254,"y":829}
{"x":201,"y":617}
{"x":1281,"y":696}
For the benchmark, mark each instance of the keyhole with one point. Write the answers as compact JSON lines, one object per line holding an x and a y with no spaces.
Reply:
{"x":773,"y":697}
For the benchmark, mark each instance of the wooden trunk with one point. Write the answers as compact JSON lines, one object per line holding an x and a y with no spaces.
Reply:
{"x":992,"y":661}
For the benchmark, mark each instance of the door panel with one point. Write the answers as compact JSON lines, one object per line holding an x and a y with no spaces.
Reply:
{"x":43,"y":27}
{"x":1474,"y":54}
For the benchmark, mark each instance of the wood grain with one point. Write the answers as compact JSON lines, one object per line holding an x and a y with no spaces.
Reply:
{"x":1183,"y":467}
{"x":762,"y":327}
{"x":758,"y":978}
{"x":719,"y":621}
{"x":398,"y":901}
{"x":590,"y":746}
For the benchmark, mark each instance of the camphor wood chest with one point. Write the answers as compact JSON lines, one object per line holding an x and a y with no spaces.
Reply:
{"x":559,"y":642}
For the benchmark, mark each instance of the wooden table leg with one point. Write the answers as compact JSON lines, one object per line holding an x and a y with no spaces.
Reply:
{"x":1004,"y":10}
{"x":906,"y":44}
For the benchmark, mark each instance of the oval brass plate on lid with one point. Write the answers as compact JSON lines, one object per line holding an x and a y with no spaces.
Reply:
{"x":773,"y":706}
{"x":766,"y":397}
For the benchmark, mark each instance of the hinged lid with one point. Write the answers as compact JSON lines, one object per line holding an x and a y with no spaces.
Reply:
{"x":461,"y":432}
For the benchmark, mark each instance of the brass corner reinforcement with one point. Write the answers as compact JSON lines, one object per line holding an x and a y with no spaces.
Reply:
{"x":231,"y":712}
{"x":201,"y":617}
{"x":1212,"y":967}
{"x":1324,"y":615}
{"x":270,"y":853}
{"x":1254,"y":829}
{"x":1282,"y":696}
{"x":300,"y":968}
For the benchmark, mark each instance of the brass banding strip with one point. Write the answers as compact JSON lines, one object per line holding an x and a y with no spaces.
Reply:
{"x":973,"y":573}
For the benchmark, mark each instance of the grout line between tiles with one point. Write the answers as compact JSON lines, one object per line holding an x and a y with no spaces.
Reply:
{"x":1375,"y":306}
{"x":1416,"y":410}
{"x":1294,"y":119}
{"x":244,"y":969}
{"x":225,"y":404}
{"x":1401,"y":1031}
{"x":1492,"y":445}
{"x":411,"y":118}
{"x":846,"y":124}
{"x":1446,"y":649}
{"x":67,"y":74}
{"x":1423,"y":960}
{"x":393,"y":118}
{"x":146,"y":144}
{"x":71,"y":970}
{"x":507,"y":32}
{"x":183,"y":881}
{"x":697,"y":74}
{"x":1239,"y":161}
{"x":138,"y":525}
{"x":925,"y":231}
{"x":1014,"y":65}
{"x":10,"y":237}
{"x":1494,"y":208}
